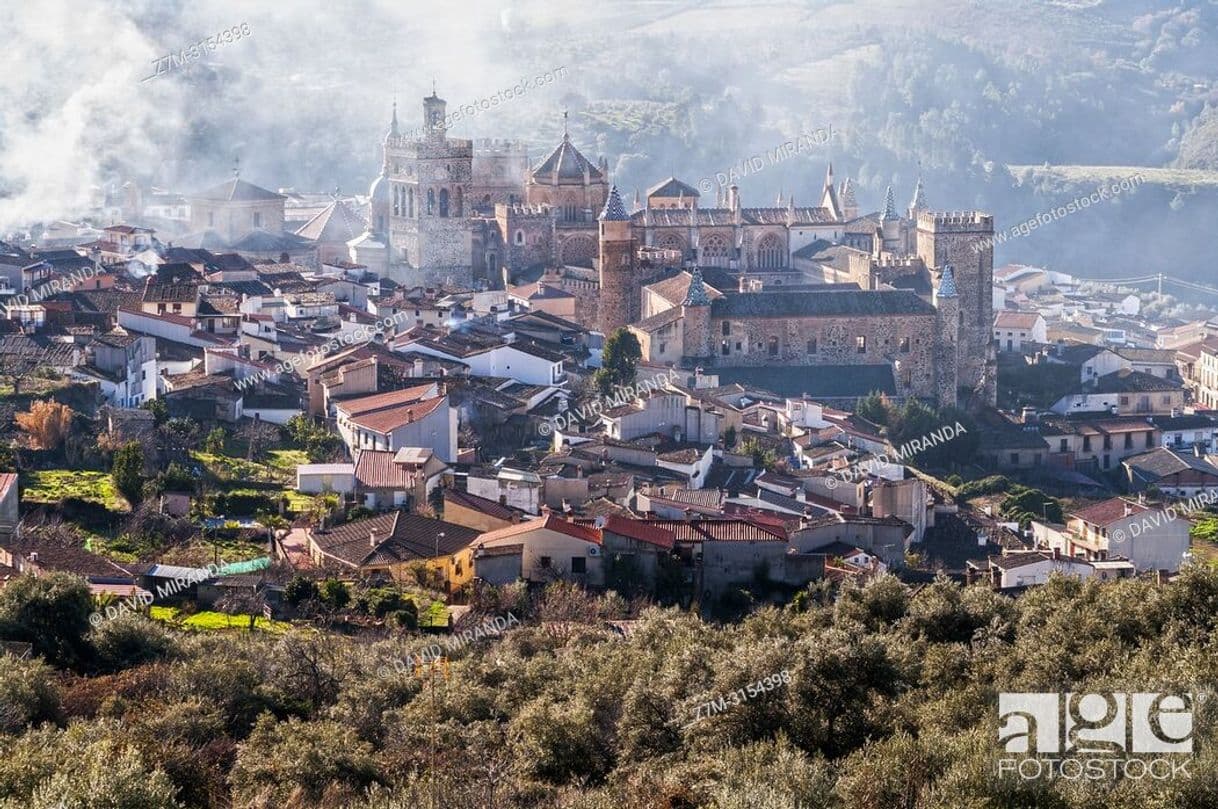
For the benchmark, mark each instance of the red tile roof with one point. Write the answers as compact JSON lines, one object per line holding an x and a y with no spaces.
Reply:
{"x":722,"y":530}
{"x":400,"y":537}
{"x":1109,"y":511}
{"x":375,"y":469}
{"x":549,"y":522}
{"x":642,"y":530}
{"x":377,"y":401}
{"x":385,"y":421}
{"x":384,"y":412}
{"x":482,"y":505}
{"x":1016,"y":320}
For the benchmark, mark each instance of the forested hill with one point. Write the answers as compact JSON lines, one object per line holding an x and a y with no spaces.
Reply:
{"x":879,"y":697}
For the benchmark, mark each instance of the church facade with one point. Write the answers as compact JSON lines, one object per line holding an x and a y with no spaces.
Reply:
{"x":722,"y":287}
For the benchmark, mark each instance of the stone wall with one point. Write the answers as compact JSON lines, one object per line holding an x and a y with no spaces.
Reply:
{"x":835,"y":344}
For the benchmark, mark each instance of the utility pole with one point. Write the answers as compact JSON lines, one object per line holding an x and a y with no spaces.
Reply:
{"x":428,"y":671}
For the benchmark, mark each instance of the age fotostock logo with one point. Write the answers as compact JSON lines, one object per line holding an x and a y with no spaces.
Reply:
{"x":1094,"y":736}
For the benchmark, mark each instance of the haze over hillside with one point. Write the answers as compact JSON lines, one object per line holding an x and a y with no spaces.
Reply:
{"x":692,"y":89}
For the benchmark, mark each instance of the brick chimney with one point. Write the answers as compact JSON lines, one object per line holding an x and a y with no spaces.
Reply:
{"x":372,"y":538}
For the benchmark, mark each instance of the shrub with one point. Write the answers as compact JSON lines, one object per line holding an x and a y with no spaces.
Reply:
{"x":130,"y":640}
{"x":28,"y":694}
{"x":51,"y":612}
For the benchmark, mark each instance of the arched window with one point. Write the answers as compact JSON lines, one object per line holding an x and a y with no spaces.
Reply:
{"x":727,"y":329}
{"x":444,"y":202}
{"x":715,"y":251}
{"x":671,"y":241}
{"x":770,"y":252}
{"x":410,"y":202}
{"x":397,"y":208}
{"x":520,"y":237}
{"x":431,"y":202}
{"x":773,"y":346}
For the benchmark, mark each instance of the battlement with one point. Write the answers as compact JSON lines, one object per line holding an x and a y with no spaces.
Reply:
{"x":499,"y":146}
{"x":660,"y":256}
{"x":889,"y":260}
{"x":957,"y":221}
{"x":449,"y":148}
{"x":522,"y":210}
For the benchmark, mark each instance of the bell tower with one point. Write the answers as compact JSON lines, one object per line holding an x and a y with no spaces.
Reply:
{"x":618,"y":298}
{"x":435,"y":118}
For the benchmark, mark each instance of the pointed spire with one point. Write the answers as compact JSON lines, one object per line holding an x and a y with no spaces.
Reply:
{"x":393,"y":123}
{"x":919,"y":197}
{"x":236,"y":166}
{"x":890,"y":205}
{"x":847,"y":195}
{"x":696,"y":294}
{"x":614,"y":210}
{"x":637,"y":203}
{"x":778,"y":201}
{"x":947,"y":283}
{"x":829,"y":176}
{"x":565,"y":134}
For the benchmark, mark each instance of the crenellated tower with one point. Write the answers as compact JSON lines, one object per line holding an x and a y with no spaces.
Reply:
{"x":963,"y":240}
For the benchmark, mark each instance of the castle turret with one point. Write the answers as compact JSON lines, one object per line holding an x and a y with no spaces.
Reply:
{"x":696,"y":320}
{"x":947,"y":338}
{"x":619,"y":299}
{"x":890,"y":223}
{"x":964,"y":241}
{"x":848,"y":201}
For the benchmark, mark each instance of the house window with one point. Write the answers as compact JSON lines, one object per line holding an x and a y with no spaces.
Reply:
{"x":727,"y":329}
{"x":904,"y":345}
{"x":1014,"y":459}
{"x":1166,"y":399}
{"x":1150,"y":439}
{"x":1086,"y":443}
{"x":579,"y":565}
{"x":860,"y":344}
{"x":1065,"y":446}
{"x":545,"y":562}
{"x":1124,"y":400}
{"x":1128,"y":440}
{"x":811,"y":345}
{"x":723,"y":348}
{"x":773,"y":347}
{"x":257,"y":219}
